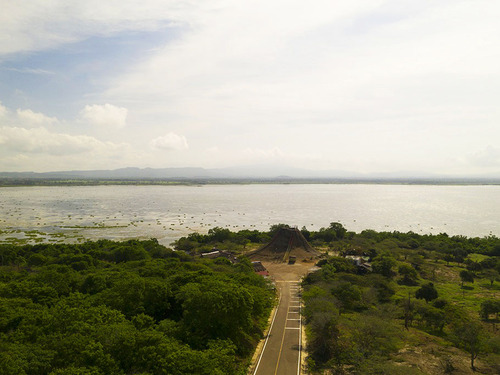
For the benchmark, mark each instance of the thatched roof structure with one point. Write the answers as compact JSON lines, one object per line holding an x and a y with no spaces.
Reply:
{"x":287,"y":242}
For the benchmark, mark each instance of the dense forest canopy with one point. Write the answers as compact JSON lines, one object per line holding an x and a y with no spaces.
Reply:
{"x":134,"y":307}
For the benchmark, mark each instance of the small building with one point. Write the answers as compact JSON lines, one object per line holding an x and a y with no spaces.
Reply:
{"x":360,"y":262}
{"x":218,"y":254}
{"x":259,"y":268}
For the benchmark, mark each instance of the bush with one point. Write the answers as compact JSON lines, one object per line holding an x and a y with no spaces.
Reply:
{"x":489,"y":307}
{"x":427,"y":292}
{"x":409,"y":275}
{"x":466,"y":276}
{"x":383,"y":264}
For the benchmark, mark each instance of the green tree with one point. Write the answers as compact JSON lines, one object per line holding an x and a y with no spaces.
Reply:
{"x":470,"y":337}
{"x":408,"y":311}
{"x":341,"y":264}
{"x":60,"y":277}
{"x":217,"y":309}
{"x":348,"y":296}
{"x":374,"y":335}
{"x":448,"y":258}
{"x":129,"y":252}
{"x":8,"y":254}
{"x":305,"y":233}
{"x":432,"y":317}
{"x":219,"y":234}
{"x":488,"y":263}
{"x":492,"y":275}
{"x":93,"y":284}
{"x":466,"y":277}
{"x":157,"y":298}
{"x":338,"y":229}
{"x":473,"y":266}
{"x":427,"y":292}
{"x":384,"y":288}
{"x":126,"y":295}
{"x":334,"y":232}
{"x":324,"y":336}
{"x":489,"y":307}
{"x":185,"y":244}
{"x":276,"y":227}
{"x":383,"y":264}
{"x":317,"y":300}
{"x":409,"y":275}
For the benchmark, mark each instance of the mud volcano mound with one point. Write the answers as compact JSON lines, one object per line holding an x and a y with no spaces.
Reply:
{"x":286,"y":243}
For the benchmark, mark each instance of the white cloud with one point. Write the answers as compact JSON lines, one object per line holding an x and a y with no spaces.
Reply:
{"x":29,"y":118}
{"x":3,"y":110}
{"x":32,"y":71}
{"x":488,"y":157}
{"x":39,"y":149}
{"x":364,"y":84}
{"x":40,"y":140}
{"x":257,"y":153}
{"x":106,"y":115}
{"x":243,"y":64}
{"x":171,"y":142}
{"x":41,"y":24}
{"x":213,"y":150}
{"x":36,"y":142}
{"x":352,"y":81}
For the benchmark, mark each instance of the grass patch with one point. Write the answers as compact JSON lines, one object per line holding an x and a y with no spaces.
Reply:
{"x":477,"y":257}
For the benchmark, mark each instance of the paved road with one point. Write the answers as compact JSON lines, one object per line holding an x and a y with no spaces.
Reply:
{"x":282,"y":350}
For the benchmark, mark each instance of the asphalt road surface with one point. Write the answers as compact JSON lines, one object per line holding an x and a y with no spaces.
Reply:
{"x":281,"y":352}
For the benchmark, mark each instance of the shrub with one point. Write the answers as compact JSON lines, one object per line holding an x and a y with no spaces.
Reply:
{"x":427,"y":292}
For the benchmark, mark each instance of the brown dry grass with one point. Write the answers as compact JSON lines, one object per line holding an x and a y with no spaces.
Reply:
{"x":449,"y":273}
{"x":430,"y":356}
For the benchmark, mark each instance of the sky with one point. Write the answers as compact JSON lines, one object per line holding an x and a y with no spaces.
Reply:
{"x":368,"y":86}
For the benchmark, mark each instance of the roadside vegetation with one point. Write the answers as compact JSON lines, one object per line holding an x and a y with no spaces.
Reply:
{"x":429,"y":306}
{"x":131,"y":307}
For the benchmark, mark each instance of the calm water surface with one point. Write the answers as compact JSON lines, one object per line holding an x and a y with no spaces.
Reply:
{"x":169,"y":212}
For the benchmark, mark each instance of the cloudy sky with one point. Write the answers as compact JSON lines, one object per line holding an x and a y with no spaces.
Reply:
{"x":370,"y":86}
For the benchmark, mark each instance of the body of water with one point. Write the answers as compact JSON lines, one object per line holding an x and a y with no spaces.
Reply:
{"x":78,"y":213}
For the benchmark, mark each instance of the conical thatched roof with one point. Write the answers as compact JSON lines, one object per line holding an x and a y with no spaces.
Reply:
{"x":286,"y":242}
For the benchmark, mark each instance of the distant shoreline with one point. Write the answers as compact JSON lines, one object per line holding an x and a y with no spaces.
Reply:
{"x":16,"y":182}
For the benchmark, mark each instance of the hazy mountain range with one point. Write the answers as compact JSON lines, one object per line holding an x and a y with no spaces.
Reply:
{"x":169,"y":173}
{"x":255,"y":172}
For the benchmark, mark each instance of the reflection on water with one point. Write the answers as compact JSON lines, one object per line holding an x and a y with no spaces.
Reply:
{"x":73,"y":214}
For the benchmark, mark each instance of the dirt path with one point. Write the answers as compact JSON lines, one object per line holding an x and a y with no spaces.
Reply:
{"x":280,"y":271}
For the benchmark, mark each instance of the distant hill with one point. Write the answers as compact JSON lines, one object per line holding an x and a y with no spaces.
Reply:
{"x":168,"y":173}
{"x":254,"y":173}
{"x":122,"y":173}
